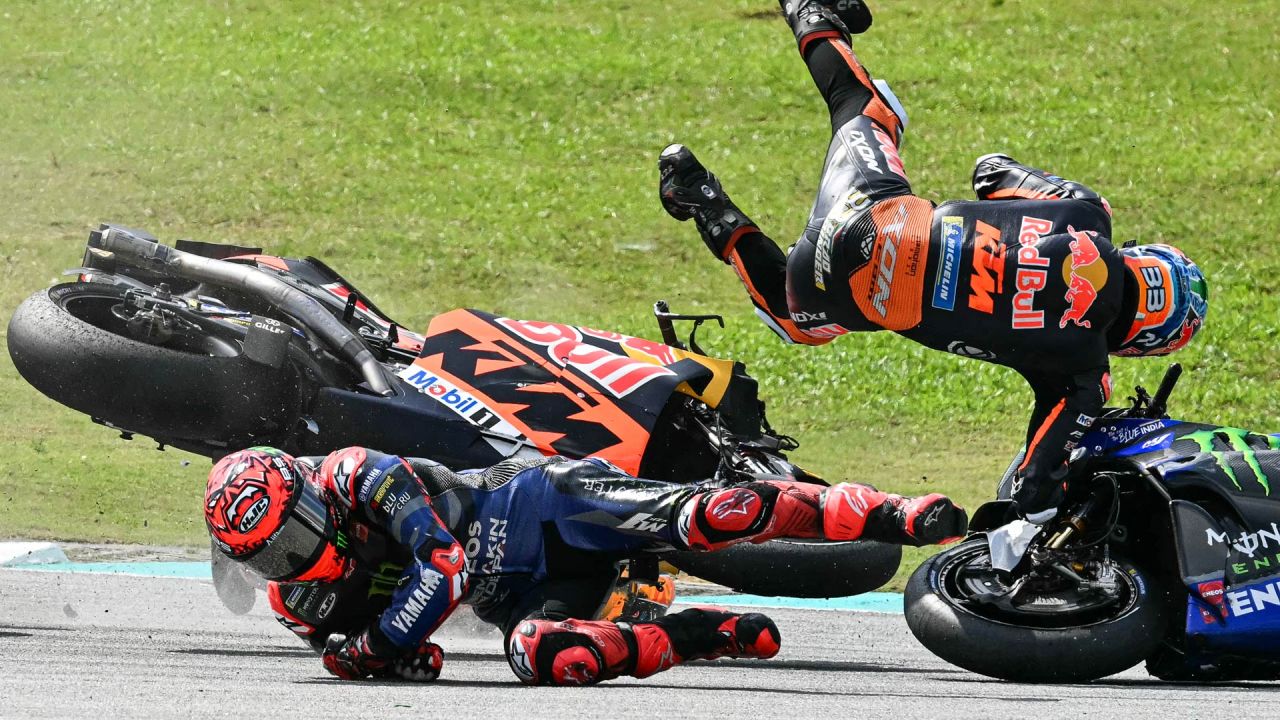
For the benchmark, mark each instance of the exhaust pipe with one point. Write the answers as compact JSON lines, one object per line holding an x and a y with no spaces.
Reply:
{"x":144,"y":251}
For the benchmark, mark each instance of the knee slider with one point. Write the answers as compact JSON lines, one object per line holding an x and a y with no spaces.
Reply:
{"x":543,"y":652}
{"x":717,"y":519}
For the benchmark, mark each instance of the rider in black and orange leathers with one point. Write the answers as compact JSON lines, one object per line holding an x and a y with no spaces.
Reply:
{"x":1025,"y":276}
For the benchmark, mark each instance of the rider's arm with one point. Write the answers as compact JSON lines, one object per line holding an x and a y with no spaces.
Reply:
{"x":1000,"y":177}
{"x":386,"y":491}
{"x":287,"y":618}
{"x":1065,"y":408}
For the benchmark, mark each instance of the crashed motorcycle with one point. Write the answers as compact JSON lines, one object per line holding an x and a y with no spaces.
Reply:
{"x":211,"y":348}
{"x":1167,"y":550}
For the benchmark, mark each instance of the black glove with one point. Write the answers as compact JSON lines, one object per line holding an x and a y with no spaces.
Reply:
{"x":354,"y":658}
{"x":421,"y":665}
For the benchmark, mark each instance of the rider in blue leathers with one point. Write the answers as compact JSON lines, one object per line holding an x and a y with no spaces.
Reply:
{"x":368,"y":553}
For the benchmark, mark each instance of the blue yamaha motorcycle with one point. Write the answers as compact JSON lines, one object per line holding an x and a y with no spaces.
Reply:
{"x":1167,"y":550}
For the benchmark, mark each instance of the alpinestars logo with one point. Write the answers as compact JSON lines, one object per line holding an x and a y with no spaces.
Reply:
{"x":342,"y":477}
{"x":741,"y":502}
{"x":518,"y":655}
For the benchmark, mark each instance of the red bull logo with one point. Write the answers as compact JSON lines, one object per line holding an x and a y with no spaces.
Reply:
{"x":1085,"y":276}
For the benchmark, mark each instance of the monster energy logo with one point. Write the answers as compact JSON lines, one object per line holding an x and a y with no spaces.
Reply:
{"x":385,"y":580}
{"x":1237,"y":440}
{"x":1248,"y":542}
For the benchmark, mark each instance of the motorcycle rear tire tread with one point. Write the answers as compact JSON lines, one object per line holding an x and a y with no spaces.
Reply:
{"x":144,"y":388}
{"x":793,"y":568}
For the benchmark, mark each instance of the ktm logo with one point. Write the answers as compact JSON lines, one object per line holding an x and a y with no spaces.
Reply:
{"x":988,"y":268}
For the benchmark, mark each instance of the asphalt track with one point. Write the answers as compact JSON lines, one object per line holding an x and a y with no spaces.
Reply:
{"x":97,"y":646}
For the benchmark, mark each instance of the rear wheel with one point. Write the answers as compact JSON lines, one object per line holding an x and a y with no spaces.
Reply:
{"x":1053,"y":632}
{"x":796,"y":568}
{"x":73,"y":343}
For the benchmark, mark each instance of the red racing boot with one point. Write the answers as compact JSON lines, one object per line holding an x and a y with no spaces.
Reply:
{"x":768,"y":509}
{"x":584,"y":652}
{"x":851,"y":511}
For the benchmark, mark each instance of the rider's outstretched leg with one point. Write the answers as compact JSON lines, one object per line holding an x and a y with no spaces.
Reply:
{"x":765,"y":510}
{"x":689,"y":191}
{"x":823,"y":35}
{"x":581,"y":652}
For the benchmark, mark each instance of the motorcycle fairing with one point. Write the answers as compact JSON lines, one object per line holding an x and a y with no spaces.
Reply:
{"x":1229,"y":562}
{"x":566,"y":390}
{"x":1243,"y":619}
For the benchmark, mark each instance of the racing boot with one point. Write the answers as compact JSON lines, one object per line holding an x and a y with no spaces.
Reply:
{"x":812,"y":20}
{"x":709,"y":633}
{"x":853,"y":511}
{"x":584,"y":652}
{"x":689,"y":191}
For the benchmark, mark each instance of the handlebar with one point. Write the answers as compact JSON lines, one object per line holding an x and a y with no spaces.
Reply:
{"x":148,"y":252}
{"x":1160,"y":400}
{"x":663,"y":313}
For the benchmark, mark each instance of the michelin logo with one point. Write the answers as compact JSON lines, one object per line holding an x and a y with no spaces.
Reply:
{"x":944,"y":285}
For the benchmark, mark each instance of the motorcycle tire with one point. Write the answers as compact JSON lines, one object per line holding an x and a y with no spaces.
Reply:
{"x":796,"y":568}
{"x":65,"y":342}
{"x":959,"y":634}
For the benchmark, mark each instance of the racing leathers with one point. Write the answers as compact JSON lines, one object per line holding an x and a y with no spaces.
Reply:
{"x":533,"y":546}
{"x":1025,"y":276}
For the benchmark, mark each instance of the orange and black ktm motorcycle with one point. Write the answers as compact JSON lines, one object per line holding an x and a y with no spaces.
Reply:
{"x":212,"y":348}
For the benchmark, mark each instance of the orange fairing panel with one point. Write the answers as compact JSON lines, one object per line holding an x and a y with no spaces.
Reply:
{"x":566,"y":390}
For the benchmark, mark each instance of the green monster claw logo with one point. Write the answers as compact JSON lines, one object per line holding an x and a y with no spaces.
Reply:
{"x":1237,"y":440}
{"x":385,"y":580}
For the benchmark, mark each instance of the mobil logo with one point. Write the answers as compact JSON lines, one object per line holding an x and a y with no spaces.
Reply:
{"x":1085,"y":274}
{"x":466,"y":405}
{"x":443,"y":391}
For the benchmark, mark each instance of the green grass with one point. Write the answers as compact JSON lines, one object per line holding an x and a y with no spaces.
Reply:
{"x":502,"y":156}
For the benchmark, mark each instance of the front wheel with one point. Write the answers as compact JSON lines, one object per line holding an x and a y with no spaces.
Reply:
{"x":1052,"y":633}
{"x":796,"y":568}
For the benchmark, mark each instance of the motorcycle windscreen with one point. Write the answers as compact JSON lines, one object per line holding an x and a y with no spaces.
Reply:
{"x":562,"y":389}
